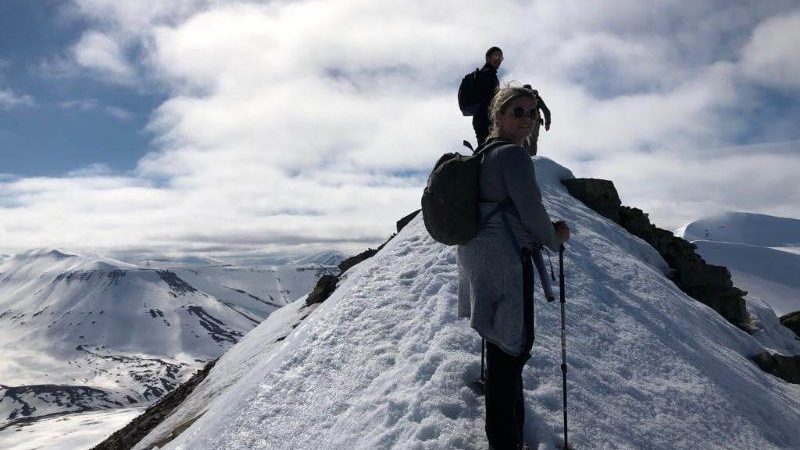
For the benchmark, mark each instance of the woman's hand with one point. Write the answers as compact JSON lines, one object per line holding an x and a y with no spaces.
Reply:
{"x":562,"y":231}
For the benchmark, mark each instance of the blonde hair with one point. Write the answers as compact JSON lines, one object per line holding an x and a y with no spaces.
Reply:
{"x":501,"y":100}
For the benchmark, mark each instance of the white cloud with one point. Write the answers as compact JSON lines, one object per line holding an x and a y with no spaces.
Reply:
{"x":120,"y":113}
{"x":88,"y":104}
{"x":133,"y":17}
{"x":10,"y":99}
{"x":313,"y":124}
{"x":681,"y":185}
{"x":100,"y":53}
{"x":92,"y":104}
{"x":771,"y":56}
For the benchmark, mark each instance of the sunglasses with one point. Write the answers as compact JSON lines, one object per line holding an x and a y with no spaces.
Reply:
{"x":519,"y":113}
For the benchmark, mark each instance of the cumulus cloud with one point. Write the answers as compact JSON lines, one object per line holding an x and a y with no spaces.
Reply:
{"x":294,"y":126}
{"x":683,"y":184}
{"x":99,"y":52}
{"x":133,"y":17}
{"x":771,"y":55}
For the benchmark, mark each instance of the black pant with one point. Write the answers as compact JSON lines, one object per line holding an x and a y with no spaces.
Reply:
{"x":505,"y":406}
{"x":480,"y":123}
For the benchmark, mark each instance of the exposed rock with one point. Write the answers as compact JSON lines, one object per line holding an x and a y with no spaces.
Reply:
{"x":711,"y":285}
{"x":784,"y":367}
{"x":324,"y":288}
{"x":600,"y":195}
{"x":405,"y":220}
{"x":21,"y":401}
{"x":345,"y":265}
{"x":353,"y":260}
{"x":139,"y":427}
{"x":792,"y":322}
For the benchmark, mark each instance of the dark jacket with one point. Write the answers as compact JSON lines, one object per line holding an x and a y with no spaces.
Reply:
{"x":487,"y":86}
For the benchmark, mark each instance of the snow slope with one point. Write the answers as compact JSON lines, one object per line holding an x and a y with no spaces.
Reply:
{"x":255,"y":290}
{"x":762,"y":252}
{"x":264,"y":340}
{"x":385,"y":362}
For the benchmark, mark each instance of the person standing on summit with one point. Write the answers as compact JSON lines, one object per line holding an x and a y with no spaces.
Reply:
{"x":531,"y":142}
{"x":487,"y":84}
{"x":495,"y":270}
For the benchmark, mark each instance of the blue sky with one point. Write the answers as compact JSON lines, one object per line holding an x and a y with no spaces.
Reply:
{"x":239,"y":128}
{"x":51,"y":137}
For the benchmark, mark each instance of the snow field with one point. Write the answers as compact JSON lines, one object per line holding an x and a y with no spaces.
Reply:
{"x":78,"y":431}
{"x":769,"y":274}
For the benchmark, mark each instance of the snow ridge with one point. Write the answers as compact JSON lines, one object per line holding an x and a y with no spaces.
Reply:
{"x":385,"y":362}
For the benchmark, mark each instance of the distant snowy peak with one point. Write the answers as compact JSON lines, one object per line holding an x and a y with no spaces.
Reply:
{"x":762,"y":253}
{"x":744,"y":228}
{"x":326,"y":258}
{"x":46,"y":260}
{"x":47,"y":252}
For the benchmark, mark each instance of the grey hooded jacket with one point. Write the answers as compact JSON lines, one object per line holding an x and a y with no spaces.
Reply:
{"x":489,"y":267}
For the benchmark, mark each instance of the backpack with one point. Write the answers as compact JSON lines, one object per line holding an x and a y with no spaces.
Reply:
{"x":451,"y":200}
{"x":468,"y":101}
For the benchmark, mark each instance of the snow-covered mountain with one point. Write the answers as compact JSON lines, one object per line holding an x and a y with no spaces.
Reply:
{"x":326,"y":258}
{"x":762,"y":252}
{"x":385,"y":362}
{"x":744,"y":228}
{"x":81,"y":333}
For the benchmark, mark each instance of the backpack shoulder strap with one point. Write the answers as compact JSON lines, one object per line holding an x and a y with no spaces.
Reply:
{"x":507,"y":206}
{"x":486,"y":148}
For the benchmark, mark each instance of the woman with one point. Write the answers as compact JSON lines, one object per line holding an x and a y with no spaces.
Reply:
{"x":495,"y":270}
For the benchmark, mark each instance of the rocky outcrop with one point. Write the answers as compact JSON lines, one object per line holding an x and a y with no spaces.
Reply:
{"x":709,"y":284}
{"x":139,"y":427}
{"x":792,"y":322}
{"x":327,"y":284}
{"x":405,"y":220}
{"x":345,"y":265}
{"x":600,"y":195}
{"x":324,"y":288}
{"x":784,"y":367}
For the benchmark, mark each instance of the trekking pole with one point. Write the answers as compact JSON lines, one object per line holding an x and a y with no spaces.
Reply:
{"x":563,"y":337}
{"x":479,"y":385}
{"x":483,"y":356}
